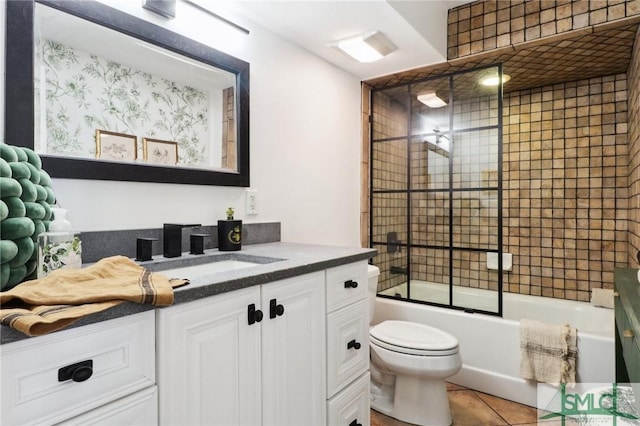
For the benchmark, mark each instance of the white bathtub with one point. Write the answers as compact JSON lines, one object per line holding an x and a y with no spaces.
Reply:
{"x":490,"y":345}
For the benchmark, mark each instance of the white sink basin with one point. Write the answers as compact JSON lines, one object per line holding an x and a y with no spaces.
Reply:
{"x":208,"y":268}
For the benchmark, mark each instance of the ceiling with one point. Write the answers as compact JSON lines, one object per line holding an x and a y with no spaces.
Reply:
{"x":567,"y":57}
{"x":418,"y":28}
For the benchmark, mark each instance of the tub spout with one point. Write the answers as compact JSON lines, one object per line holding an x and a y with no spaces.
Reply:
{"x":398,"y":270}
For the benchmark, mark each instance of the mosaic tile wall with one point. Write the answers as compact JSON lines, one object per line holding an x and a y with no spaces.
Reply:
{"x":565,"y":174}
{"x":565,"y":195}
{"x":390,"y":173}
{"x":365,"y":161}
{"x":486,"y":25}
{"x":634,"y":156}
{"x":475,"y":212}
{"x":229,"y":149}
{"x":571,"y":162}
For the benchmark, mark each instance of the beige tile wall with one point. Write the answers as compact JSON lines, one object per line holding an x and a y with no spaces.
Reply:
{"x":565,"y":195}
{"x":229,"y":148}
{"x":390,"y":173}
{"x":364,"y":166}
{"x":486,"y":25}
{"x":634,"y":156}
{"x":475,"y":214}
{"x":571,"y":167}
{"x":566,"y":198}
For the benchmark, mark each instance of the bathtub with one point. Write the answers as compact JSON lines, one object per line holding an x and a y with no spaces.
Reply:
{"x":490,"y":345}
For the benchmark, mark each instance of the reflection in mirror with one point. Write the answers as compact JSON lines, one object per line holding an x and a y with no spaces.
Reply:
{"x":126,"y":81}
{"x":110,"y":81}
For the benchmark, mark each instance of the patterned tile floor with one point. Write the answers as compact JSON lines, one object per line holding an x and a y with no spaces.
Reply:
{"x":473,"y":408}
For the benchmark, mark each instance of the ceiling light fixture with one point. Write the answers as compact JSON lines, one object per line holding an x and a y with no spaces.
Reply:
{"x":431,"y":100}
{"x":367,"y":47}
{"x":494,"y":79}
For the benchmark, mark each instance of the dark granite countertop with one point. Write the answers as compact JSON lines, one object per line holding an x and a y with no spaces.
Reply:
{"x":286,"y":260}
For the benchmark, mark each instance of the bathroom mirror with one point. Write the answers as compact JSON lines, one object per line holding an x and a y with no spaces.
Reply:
{"x":101,"y":94}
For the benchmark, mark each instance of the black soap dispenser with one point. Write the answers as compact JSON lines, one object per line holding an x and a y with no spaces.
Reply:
{"x":229,"y":233}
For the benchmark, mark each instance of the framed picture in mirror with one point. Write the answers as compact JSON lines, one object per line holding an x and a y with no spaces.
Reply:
{"x":157,"y":151}
{"x":115,"y":146}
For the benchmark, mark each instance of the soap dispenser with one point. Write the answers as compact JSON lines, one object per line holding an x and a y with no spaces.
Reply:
{"x":229,"y":233}
{"x":59,"y":247}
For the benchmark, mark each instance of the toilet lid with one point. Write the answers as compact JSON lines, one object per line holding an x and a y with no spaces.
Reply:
{"x":414,"y":336}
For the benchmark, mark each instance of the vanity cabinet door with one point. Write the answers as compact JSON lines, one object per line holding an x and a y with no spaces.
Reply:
{"x":209,"y":361}
{"x":293,"y":351}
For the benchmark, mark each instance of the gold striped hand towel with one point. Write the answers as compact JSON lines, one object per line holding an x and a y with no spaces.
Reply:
{"x":51,"y":303}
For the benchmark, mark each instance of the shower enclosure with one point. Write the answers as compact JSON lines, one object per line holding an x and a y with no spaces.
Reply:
{"x":436,"y":190}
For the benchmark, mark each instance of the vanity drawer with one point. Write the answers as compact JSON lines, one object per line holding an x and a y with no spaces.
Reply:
{"x":122,"y":356}
{"x":139,"y":409}
{"x":346,"y":284}
{"x":352,"y":405}
{"x":347,"y":345}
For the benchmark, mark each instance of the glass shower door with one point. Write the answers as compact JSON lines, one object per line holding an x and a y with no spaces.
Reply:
{"x":436,"y":191}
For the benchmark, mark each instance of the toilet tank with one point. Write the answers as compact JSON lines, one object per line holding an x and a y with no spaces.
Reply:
{"x":373,"y":273}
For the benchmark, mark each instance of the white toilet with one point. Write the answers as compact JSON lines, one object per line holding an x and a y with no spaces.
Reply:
{"x":409,"y":365}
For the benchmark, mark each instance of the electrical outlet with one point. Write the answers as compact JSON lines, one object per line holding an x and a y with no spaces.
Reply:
{"x":252,"y":202}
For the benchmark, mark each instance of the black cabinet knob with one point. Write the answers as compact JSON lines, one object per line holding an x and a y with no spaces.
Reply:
{"x":353,"y":345}
{"x":78,"y":372}
{"x":275,"y":309}
{"x":355,"y":423}
{"x":81,"y":374}
{"x":350,"y":284}
{"x":253,"y":315}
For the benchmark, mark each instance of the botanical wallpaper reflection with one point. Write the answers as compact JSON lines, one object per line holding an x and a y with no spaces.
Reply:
{"x":84,"y":92}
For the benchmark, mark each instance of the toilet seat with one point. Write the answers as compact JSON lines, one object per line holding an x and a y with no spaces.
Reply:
{"x":413,"y":338}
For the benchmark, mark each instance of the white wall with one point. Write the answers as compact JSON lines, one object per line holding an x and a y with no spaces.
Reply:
{"x":305,"y":146}
{"x":3,"y":26}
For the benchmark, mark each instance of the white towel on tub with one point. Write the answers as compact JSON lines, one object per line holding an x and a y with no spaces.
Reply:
{"x":548,"y":352}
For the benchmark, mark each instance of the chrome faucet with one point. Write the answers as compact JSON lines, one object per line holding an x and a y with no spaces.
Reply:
{"x":172,"y":238}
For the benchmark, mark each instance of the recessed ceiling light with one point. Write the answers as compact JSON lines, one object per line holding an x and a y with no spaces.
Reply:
{"x":367,"y":47}
{"x":431,"y":100}
{"x":494,"y":79}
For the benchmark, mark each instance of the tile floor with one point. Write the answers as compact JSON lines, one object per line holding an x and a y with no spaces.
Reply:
{"x":473,"y":408}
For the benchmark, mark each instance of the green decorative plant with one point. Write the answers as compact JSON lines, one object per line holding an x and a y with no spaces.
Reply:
{"x":26,"y":199}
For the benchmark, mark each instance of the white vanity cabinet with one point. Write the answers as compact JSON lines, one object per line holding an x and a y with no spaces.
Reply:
{"x":290,"y":352}
{"x":247,"y":357}
{"x":96,"y":374}
{"x":348,"y":345}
